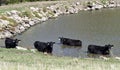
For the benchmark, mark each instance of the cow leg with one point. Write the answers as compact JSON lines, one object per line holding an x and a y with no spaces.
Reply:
{"x":7,"y":46}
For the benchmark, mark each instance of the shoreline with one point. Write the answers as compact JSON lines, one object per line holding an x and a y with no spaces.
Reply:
{"x":15,"y":22}
{"x":12,"y":59}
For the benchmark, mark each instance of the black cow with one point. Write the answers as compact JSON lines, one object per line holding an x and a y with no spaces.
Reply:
{"x":11,"y":43}
{"x":95,"y":49}
{"x":44,"y":46}
{"x":70,"y":42}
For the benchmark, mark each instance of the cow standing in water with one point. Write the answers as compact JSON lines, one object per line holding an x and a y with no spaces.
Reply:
{"x":95,"y":49}
{"x":70,"y":42}
{"x":11,"y":43}
{"x":44,"y":46}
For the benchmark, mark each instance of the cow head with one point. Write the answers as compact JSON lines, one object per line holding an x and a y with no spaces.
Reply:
{"x":49,"y":47}
{"x":61,"y":39}
{"x":16,"y":41}
{"x":50,"y":43}
{"x":107,"y":49}
{"x":109,"y":46}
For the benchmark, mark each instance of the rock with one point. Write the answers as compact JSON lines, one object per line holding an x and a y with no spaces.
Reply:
{"x":16,"y":18}
{"x":36,"y":20}
{"x":45,"y":53}
{"x":43,"y":19}
{"x":26,"y":25}
{"x":1,"y":35}
{"x":7,"y":34}
{"x":31,"y":23}
{"x":20,"y":48}
{"x":77,"y":3}
{"x":14,"y":12}
{"x":105,"y":58}
{"x":19,"y":29}
{"x":3,"y":23}
{"x":118,"y":58}
{"x":34,"y":9}
{"x":118,"y":5}
{"x":111,"y":5}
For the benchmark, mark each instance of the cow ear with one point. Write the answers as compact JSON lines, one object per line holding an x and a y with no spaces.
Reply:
{"x":48,"y":43}
{"x":112,"y":45}
{"x":106,"y":45}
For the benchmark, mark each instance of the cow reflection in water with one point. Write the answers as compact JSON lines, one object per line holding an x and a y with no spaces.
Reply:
{"x":72,"y":51}
{"x":95,"y":50}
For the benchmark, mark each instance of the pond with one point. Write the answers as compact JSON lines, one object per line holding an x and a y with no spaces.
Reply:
{"x":99,"y":27}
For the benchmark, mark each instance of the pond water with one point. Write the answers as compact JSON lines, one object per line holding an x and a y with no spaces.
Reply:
{"x":99,"y":27}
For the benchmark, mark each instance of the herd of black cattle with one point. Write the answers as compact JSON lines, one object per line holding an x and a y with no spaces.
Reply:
{"x":48,"y":46}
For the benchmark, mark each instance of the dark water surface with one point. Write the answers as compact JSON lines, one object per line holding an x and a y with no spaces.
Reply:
{"x":97,"y":27}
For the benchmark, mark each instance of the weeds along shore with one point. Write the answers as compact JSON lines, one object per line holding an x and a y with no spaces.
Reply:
{"x":18,"y":18}
{"x":12,"y":59}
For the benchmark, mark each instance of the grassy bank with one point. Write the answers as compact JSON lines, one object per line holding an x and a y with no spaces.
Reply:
{"x":23,"y":6}
{"x":13,"y":59}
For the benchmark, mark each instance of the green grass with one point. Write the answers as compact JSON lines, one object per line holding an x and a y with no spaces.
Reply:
{"x":37,"y":14}
{"x":4,"y":9}
{"x":28,"y":13}
{"x":11,"y":21}
{"x":24,"y":5}
{"x":13,"y":59}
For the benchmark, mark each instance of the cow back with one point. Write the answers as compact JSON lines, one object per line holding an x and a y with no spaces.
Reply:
{"x":95,"y":49}
{"x":40,"y":46}
{"x":70,"y":42}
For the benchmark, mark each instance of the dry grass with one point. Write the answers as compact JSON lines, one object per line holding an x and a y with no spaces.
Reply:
{"x":70,"y":64}
{"x":11,"y":21}
{"x":12,"y":59}
{"x":22,"y":6}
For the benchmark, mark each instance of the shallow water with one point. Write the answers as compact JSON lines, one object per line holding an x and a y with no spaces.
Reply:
{"x":91,"y":27}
